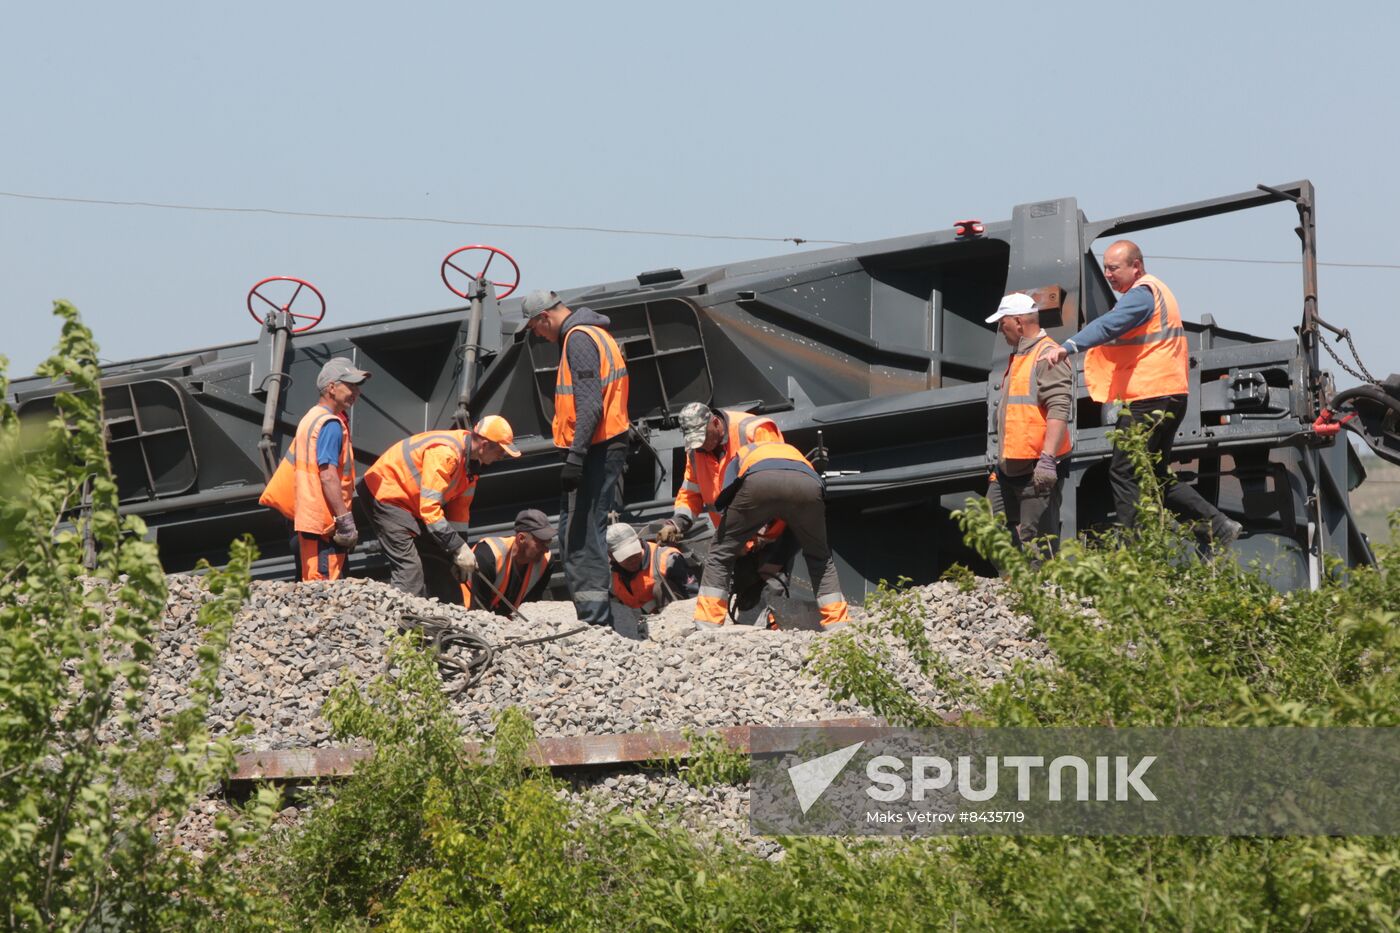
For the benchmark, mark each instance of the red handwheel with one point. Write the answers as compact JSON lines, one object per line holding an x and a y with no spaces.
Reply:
{"x":491,"y":253}
{"x":265,"y":291}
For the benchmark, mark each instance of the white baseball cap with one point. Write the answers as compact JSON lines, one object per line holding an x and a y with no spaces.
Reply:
{"x":623,"y":542}
{"x":1015,"y":303}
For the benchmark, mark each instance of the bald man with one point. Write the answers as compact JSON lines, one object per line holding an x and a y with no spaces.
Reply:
{"x":1136,"y":354}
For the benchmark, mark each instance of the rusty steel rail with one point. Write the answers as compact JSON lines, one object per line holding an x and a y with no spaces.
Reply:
{"x":559,"y":753}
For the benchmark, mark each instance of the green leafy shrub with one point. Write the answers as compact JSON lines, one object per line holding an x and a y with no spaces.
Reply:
{"x":82,"y":793}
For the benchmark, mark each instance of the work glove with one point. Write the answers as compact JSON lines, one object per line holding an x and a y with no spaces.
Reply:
{"x":570,"y":476}
{"x":346,"y":535}
{"x":1046,"y":475}
{"x":463,"y":563}
{"x":668,"y":534}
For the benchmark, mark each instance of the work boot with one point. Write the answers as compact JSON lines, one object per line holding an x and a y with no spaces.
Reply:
{"x":1228,"y":534}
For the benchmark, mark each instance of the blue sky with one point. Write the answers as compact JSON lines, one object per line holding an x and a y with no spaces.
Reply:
{"x":772,"y":119}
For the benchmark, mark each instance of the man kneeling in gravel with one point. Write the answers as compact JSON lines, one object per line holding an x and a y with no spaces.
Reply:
{"x":417,"y":489}
{"x":516,"y":568}
{"x":647,"y":576}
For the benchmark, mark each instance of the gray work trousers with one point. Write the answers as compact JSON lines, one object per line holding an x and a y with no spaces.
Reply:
{"x":583,"y":522}
{"x":417,"y":563}
{"x":1029,"y":515}
{"x":794,"y":497}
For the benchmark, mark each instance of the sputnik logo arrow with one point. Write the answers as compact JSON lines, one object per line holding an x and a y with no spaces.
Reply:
{"x":811,"y":778}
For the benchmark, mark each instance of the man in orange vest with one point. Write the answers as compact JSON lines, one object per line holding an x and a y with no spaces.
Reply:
{"x":516,"y":567}
{"x":647,"y":576}
{"x":315,"y":482}
{"x":1032,"y":425}
{"x":417,"y":489}
{"x":711,"y":437}
{"x":591,"y":426}
{"x":1137,"y":355}
{"x":764,"y":482}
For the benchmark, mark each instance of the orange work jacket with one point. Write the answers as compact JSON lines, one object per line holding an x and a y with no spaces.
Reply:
{"x":705,"y":470}
{"x":426,"y":476}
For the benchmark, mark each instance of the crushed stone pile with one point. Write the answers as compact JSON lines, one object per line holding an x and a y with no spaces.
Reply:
{"x":292,"y":643}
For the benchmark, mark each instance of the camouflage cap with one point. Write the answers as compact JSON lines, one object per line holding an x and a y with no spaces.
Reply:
{"x":695,"y":418}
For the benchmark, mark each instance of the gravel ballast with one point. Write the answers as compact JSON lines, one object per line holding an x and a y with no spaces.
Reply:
{"x":292,"y":643}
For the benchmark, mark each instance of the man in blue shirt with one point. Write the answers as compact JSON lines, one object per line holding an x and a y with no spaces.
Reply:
{"x":1138,"y":357}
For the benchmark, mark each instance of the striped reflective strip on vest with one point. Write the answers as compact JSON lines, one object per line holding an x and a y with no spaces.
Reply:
{"x":1164,"y":329}
{"x":497,"y":546}
{"x":1156,"y":337}
{"x":616,"y":369}
{"x":409,"y":446}
{"x":1032,"y":385}
{"x":658,"y":583}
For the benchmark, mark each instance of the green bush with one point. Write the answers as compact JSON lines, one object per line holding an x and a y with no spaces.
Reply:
{"x":82,"y":793}
{"x":1172,"y":639}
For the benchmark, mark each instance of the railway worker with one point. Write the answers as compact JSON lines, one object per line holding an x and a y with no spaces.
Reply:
{"x":711,"y":437}
{"x":516,"y":566}
{"x":763,"y":482}
{"x":314,"y":484}
{"x":591,"y":426}
{"x":417,"y":489}
{"x":1136,"y":355}
{"x":1037,"y":397}
{"x":647,"y":576}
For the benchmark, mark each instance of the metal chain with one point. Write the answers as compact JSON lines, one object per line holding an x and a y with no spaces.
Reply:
{"x":1365,"y":374}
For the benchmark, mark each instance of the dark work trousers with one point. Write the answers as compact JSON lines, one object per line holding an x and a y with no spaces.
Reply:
{"x":1030,"y":515}
{"x":794,"y":497}
{"x":417,"y":563}
{"x":1180,"y":498}
{"x":754,"y":569}
{"x":583,"y":521}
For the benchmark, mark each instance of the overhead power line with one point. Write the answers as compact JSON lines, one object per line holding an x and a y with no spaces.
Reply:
{"x":214,"y":209}
{"x":796,"y":240}
{"x":1282,"y":262}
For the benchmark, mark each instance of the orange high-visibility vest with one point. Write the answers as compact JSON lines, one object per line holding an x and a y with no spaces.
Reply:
{"x":705,"y":470}
{"x":648,"y":589}
{"x":1022,"y":420}
{"x":504,"y":550}
{"x":762,"y":456}
{"x":295,"y":487}
{"x":439,"y":494}
{"x":612,"y":373}
{"x":1149,"y":361}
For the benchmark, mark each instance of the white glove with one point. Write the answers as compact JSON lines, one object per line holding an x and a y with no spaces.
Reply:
{"x":463,"y":563}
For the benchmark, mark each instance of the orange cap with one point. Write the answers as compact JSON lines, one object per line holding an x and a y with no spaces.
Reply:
{"x":495,"y":428}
